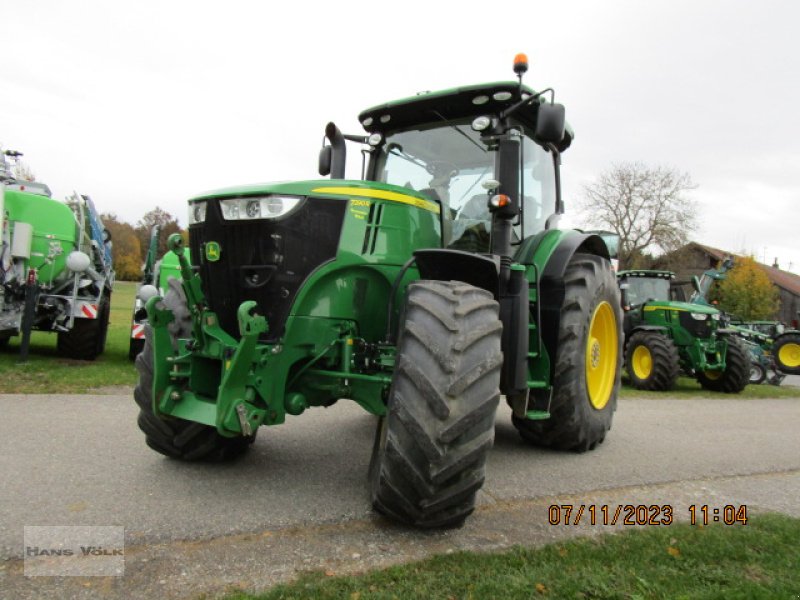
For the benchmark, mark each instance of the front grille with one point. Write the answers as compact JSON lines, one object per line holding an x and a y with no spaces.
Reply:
{"x":264,"y":260}
{"x":698,"y":329}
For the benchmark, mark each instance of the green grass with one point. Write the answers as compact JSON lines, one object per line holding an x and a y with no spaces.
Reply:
{"x":759,"y":560}
{"x":47,"y":372}
{"x":689,"y":389}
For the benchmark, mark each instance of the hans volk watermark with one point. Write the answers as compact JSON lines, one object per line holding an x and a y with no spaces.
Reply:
{"x":82,"y":551}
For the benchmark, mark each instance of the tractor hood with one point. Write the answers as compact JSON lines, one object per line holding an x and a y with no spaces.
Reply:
{"x":681,"y":306}
{"x":324,"y":187}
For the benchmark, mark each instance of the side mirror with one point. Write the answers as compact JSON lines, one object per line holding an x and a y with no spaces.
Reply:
{"x":325,"y":159}
{"x":623,"y":294}
{"x":696,"y":284}
{"x":550,"y":123}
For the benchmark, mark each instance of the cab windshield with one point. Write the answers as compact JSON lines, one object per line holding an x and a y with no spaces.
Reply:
{"x":642,"y":289}
{"x":449,"y":162}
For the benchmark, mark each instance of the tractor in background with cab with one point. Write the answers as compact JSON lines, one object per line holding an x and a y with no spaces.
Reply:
{"x":664,"y":337}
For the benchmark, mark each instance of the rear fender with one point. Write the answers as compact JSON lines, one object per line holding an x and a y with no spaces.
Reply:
{"x":551,"y":284}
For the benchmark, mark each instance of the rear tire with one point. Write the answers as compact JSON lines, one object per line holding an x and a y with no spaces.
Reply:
{"x":87,"y":338}
{"x":177,"y":438}
{"x":786,"y":351}
{"x":581,"y":409}
{"x":736,"y":374}
{"x":430,"y":449}
{"x":652,"y":361}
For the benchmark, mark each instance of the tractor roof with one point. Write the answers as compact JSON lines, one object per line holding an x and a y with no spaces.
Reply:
{"x":455,"y":103}
{"x":646,"y":273}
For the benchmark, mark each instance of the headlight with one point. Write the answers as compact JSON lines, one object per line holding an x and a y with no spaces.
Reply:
{"x":716,"y":316}
{"x":269,"y":207}
{"x":197,"y":212}
{"x":699,"y":316}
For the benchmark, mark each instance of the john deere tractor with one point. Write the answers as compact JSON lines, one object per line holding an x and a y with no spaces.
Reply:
{"x":422,"y":292}
{"x":664,"y":337}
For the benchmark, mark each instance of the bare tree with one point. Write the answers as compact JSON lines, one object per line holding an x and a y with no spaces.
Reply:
{"x":646,"y":206}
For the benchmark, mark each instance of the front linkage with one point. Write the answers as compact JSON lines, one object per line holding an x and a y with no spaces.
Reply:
{"x":213,"y":379}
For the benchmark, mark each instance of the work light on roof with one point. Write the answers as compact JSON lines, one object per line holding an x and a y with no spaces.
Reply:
{"x":481,"y":123}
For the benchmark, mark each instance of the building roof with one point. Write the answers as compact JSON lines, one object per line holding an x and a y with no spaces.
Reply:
{"x":783,"y":279}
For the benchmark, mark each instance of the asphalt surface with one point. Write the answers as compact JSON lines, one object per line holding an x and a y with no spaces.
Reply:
{"x":81,"y":460}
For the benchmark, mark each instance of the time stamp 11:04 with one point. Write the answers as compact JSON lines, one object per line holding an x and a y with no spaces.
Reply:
{"x":644,"y":514}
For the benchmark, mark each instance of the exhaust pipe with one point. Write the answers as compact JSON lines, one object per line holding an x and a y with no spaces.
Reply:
{"x":339,"y":151}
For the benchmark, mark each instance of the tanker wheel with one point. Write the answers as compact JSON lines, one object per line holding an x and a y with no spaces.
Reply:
{"x":736,"y":374}
{"x":431,"y":447}
{"x":87,"y":338}
{"x":652,"y":361}
{"x":757,"y":374}
{"x":787,"y":353}
{"x":587,"y":362}
{"x":174,"y":437}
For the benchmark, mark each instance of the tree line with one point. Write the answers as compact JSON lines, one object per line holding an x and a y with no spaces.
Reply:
{"x":652,"y":211}
{"x":131,"y":242}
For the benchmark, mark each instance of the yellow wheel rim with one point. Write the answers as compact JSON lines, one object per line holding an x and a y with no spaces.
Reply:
{"x":601,"y":355}
{"x":712,"y":375}
{"x":642,"y":362}
{"x":789,"y":355}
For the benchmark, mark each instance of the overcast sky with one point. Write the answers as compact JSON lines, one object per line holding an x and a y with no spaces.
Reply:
{"x":143,"y":104}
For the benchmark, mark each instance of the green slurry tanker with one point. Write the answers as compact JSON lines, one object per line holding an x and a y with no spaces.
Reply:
{"x":55,"y":267}
{"x":423,"y":292}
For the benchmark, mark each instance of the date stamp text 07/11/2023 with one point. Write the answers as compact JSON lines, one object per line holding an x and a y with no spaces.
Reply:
{"x":644,"y":514}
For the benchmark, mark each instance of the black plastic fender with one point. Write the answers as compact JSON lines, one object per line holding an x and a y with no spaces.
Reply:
{"x":551,"y":285}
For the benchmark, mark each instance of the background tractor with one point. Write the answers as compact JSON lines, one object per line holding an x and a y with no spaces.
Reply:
{"x":772,"y":347}
{"x":422,"y":292}
{"x":663,"y":337}
{"x":55,"y":267}
{"x":155,"y":280}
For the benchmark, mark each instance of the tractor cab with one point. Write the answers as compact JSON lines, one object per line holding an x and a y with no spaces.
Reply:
{"x":638,"y":287}
{"x":488,"y":154}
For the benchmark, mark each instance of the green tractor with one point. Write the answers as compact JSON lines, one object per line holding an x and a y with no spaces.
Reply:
{"x":422,"y":292}
{"x":664,"y":337}
{"x":772,"y":347}
{"x":56,"y":271}
{"x":155,"y":281}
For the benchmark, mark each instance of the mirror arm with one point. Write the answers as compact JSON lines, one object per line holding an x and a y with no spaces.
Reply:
{"x":515,"y":107}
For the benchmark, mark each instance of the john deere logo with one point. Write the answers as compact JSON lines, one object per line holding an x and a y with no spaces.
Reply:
{"x":212,"y":251}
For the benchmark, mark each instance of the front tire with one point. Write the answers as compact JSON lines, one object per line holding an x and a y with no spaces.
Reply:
{"x":652,"y":361}
{"x":587,"y":362}
{"x":177,"y":438}
{"x":787,"y":353}
{"x":757,"y":374}
{"x":430,"y":449}
{"x":736,"y":374}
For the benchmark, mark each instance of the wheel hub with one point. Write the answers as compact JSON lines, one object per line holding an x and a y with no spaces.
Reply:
{"x":595,"y":353}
